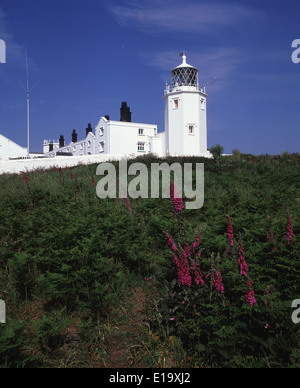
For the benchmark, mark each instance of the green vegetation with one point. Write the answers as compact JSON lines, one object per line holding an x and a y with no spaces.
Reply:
{"x":216,"y":150}
{"x":218,"y":281}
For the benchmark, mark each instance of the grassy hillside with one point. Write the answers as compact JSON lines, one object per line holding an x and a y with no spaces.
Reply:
{"x":217,"y":283}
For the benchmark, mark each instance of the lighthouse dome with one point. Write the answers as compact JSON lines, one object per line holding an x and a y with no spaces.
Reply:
{"x":185,"y":75}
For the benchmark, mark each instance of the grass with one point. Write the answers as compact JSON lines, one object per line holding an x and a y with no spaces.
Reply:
{"x":73,"y":267}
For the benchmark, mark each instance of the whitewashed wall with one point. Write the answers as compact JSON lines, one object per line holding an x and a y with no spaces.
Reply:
{"x":10,"y":150}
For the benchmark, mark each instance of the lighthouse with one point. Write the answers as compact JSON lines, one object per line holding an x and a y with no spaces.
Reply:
{"x":185,"y":113}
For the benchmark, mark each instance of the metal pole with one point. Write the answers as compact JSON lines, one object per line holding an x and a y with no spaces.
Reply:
{"x":27,"y":73}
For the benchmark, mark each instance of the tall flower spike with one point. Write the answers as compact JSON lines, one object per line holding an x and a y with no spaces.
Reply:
{"x":250,"y":296}
{"x":197,"y":274}
{"x":128,"y":205}
{"x":176,"y":202}
{"x":229,"y":232}
{"x":290,"y":233}
{"x":184,"y":276}
{"x":197,"y":242}
{"x":170,"y":242}
{"x":242,"y":261}
{"x":216,"y":277}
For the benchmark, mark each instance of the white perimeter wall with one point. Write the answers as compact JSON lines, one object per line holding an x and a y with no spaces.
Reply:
{"x":20,"y":166}
{"x":9,"y":149}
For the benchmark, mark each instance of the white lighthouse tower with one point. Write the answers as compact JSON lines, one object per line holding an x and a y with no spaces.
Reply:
{"x":185,"y":113}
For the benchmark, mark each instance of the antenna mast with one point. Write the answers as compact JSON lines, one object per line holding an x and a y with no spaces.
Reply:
{"x":28,"y":92}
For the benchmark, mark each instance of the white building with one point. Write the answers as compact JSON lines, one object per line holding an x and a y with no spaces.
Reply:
{"x":185,"y":113}
{"x":11,"y":150}
{"x":185,"y":126}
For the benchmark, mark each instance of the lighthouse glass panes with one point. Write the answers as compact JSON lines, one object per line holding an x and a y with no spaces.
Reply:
{"x":185,"y":76}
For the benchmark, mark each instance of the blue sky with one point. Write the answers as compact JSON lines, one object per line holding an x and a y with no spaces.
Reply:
{"x":90,"y":55}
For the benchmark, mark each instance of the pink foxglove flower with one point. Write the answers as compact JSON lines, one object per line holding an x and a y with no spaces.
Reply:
{"x":250,"y":296}
{"x":177,"y":202}
{"x":197,"y":242}
{"x":170,"y":242}
{"x":184,"y":276}
{"x":215,"y":275}
{"x":229,"y":232}
{"x":290,"y":234}
{"x":128,"y":205}
{"x":218,"y":282}
{"x":242,"y":261}
{"x":197,"y":274}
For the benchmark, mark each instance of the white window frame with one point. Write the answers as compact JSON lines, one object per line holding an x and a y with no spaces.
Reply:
{"x":141,"y":146}
{"x":101,"y":146}
{"x":202,"y":103}
{"x":191,"y":128}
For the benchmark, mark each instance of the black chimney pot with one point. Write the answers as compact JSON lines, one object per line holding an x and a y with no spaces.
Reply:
{"x":89,"y":129}
{"x":61,"y":141}
{"x":74,"y":136}
{"x":125,"y":112}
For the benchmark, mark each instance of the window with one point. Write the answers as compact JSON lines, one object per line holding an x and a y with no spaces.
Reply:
{"x":101,"y":146}
{"x":89,"y":143}
{"x":202,"y":104}
{"x":81,"y":146}
{"x":141,"y":147}
{"x":176,"y":104}
{"x":101,"y":131}
{"x":191,"y":129}
{"x":141,"y":131}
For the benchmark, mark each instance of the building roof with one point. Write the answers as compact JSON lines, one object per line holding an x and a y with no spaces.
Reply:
{"x":184,"y":64}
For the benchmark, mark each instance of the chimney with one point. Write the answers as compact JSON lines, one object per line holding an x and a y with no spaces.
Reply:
{"x":61,"y":141}
{"x":89,"y":129}
{"x":107,"y":117}
{"x":74,"y":136}
{"x":125,"y":112}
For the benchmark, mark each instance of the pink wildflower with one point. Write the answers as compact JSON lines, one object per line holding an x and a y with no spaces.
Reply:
{"x":175,"y":260}
{"x":290,"y":234}
{"x":93,"y":181}
{"x":229,"y":232}
{"x":170,"y":242}
{"x":242,"y":261}
{"x":218,"y":282}
{"x":128,"y":205}
{"x":249,"y":297}
{"x":184,"y":276}
{"x":177,"y":202}
{"x":76,"y":178}
{"x":216,"y":277}
{"x":195,"y":268}
{"x":25,"y":179}
{"x":197,"y":242}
